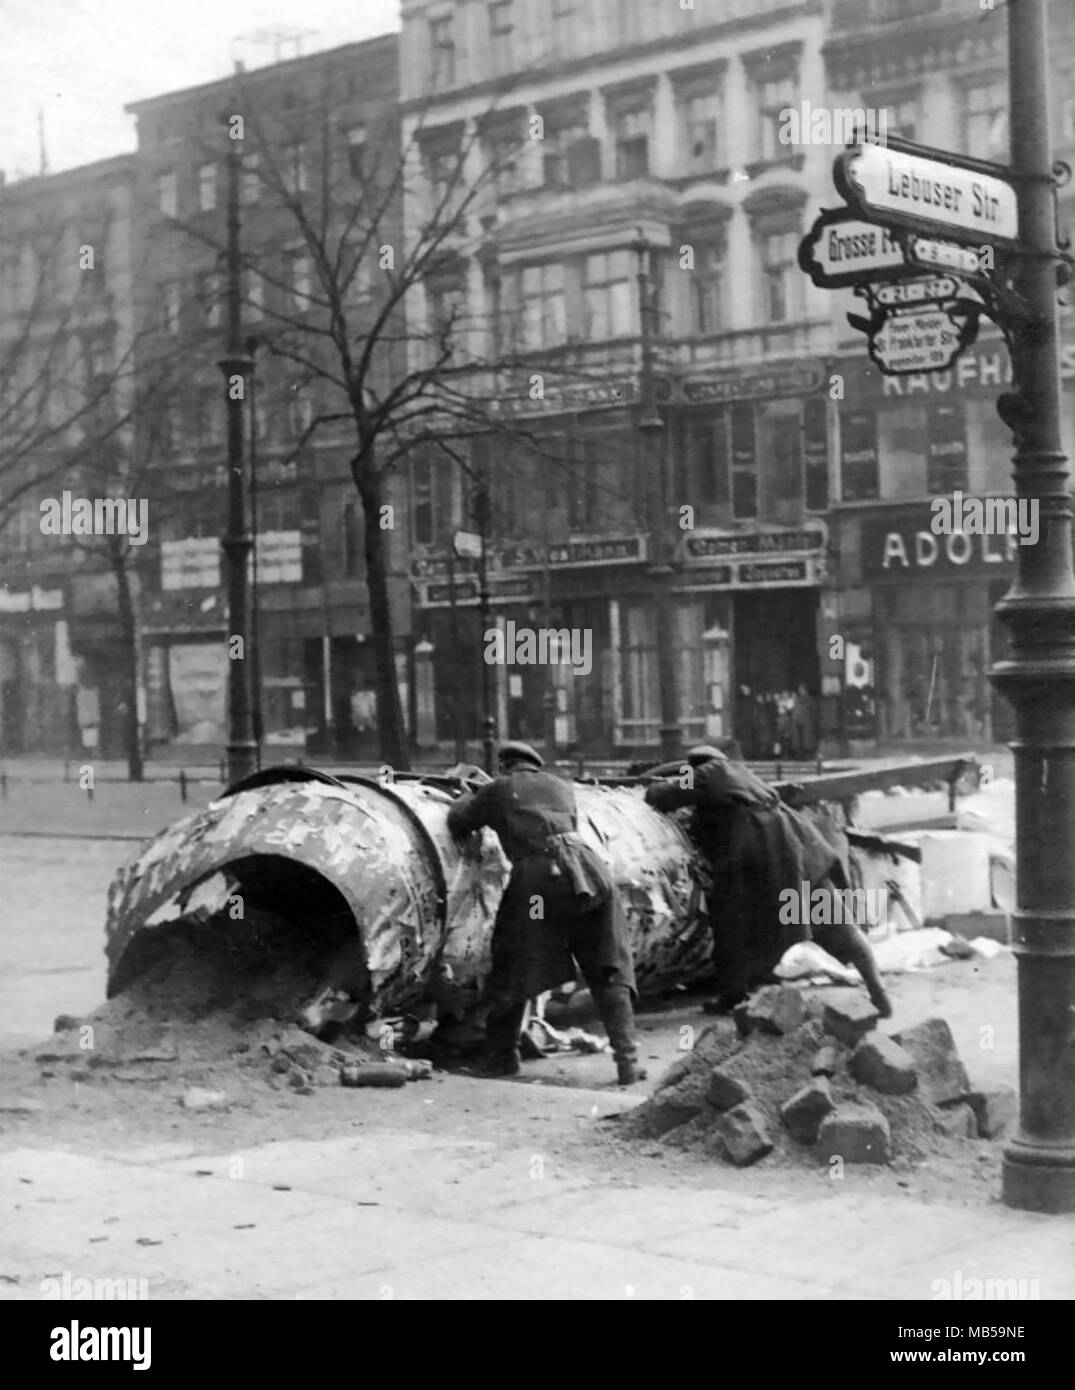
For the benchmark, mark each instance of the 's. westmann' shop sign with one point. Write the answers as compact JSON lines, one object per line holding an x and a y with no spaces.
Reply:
{"x":905,"y":548}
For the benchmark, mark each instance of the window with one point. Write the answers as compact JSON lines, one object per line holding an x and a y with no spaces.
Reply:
{"x":707,"y":287}
{"x":700,"y":132}
{"x":356,"y":151}
{"x":209,"y":298}
{"x":443,"y":172}
{"x":351,"y":547}
{"x":442,"y":49}
{"x":445,"y":309}
{"x":167,"y":194}
{"x":207,"y":187}
{"x":542,"y":318}
{"x":300,"y":277}
{"x":632,"y":143}
{"x":902,"y":117}
{"x":985,"y":109}
{"x":744,"y":461}
{"x":169,"y":309}
{"x":572,"y":159}
{"x":774,"y":95}
{"x":607,"y":296}
{"x":253,"y":288}
{"x":296,"y":168}
{"x":629,"y":17}
{"x":250,"y":182}
{"x":708,"y":451}
{"x":815,"y":448}
{"x":780,"y":280}
{"x":502,"y":156}
{"x":300,"y":415}
{"x":431,"y":497}
{"x":501,"y":35}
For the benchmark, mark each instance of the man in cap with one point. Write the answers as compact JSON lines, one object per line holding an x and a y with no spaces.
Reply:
{"x":561,"y":911}
{"x":757,"y":847}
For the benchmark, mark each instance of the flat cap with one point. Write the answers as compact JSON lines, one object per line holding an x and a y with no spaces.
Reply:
{"x":704,"y":753}
{"x":516,"y":752}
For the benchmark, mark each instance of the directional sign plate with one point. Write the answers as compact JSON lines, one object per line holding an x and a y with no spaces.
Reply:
{"x":919,"y":340}
{"x":930,"y":288}
{"x":840,"y":249}
{"x":939,"y":195}
{"x":941,"y":255}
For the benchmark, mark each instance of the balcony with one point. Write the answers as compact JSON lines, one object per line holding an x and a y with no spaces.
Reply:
{"x":555,"y":217}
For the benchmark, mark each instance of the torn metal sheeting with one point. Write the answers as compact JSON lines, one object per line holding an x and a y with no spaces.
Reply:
{"x":423,"y":904}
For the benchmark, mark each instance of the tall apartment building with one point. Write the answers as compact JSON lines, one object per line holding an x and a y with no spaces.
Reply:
{"x":633,"y":138}
{"x":917,"y":607}
{"x":66,"y":341}
{"x":308,"y":122}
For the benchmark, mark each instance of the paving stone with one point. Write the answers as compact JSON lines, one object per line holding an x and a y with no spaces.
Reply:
{"x":804,"y":1112}
{"x":995,"y":1112}
{"x":743,"y":1134}
{"x":881,"y":1063}
{"x":942,"y":1077}
{"x":857,"y":1132}
{"x":674,"y":1106}
{"x":826,"y":1060}
{"x":724,"y":1091}
{"x":956,"y":1121}
{"x":850,"y":1018}
{"x":741,"y":1018}
{"x":776,"y":1009}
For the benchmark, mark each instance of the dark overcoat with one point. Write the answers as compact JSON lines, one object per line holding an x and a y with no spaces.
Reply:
{"x":757,"y":847}
{"x":560,"y":905}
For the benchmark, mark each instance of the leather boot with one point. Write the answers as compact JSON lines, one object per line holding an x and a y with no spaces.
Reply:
{"x":618,"y":1016}
{"x":502,"y":1029}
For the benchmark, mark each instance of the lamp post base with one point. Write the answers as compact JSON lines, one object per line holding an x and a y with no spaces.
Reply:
{"x":1039,"y":1177}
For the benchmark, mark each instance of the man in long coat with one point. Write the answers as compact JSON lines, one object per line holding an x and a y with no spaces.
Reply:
{"x":757,"y":847}
{"x":561,"y":911}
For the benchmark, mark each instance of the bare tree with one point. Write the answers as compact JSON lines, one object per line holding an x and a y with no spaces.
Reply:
{"x":371,"y":322}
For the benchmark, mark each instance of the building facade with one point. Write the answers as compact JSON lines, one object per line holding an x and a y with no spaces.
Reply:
{"x":303,"y":127}
{"x":66,"y":387}
{"x":639,"y":152}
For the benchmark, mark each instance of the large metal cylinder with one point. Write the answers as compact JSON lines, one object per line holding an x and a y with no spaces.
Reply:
{"x":423,"y":904}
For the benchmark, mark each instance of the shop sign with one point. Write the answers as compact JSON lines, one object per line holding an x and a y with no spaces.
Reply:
{"x":794,"y":379}
{"x":580,"y":395}
{"x":800,"y":572}
{"x":702,"y":546}
{"x":579,"y":552}
{"x":279,"y":557}
{"x":516,"y":589}
{"x":191,"y":563}
{"x":908,"y":549}
{"x":982,"y":371}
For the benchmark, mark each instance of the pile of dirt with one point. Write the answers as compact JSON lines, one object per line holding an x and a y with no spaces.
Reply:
{"x":213,"y":1007}
{"x":793,"y":1079}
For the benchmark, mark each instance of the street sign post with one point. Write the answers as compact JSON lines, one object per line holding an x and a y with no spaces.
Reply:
{"x":908,"y":342}
{"x":929,"y":191}
{"x":931,"y":254}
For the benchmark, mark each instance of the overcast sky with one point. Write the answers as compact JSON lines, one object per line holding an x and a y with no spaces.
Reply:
{"x":80,"y":61}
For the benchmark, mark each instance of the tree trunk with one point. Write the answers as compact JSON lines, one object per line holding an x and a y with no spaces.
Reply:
{"x":390,"y":727}
{"x":129,"y":650}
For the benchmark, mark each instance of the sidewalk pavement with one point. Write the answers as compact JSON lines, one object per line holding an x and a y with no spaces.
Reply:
{"x":402,"y":1214}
